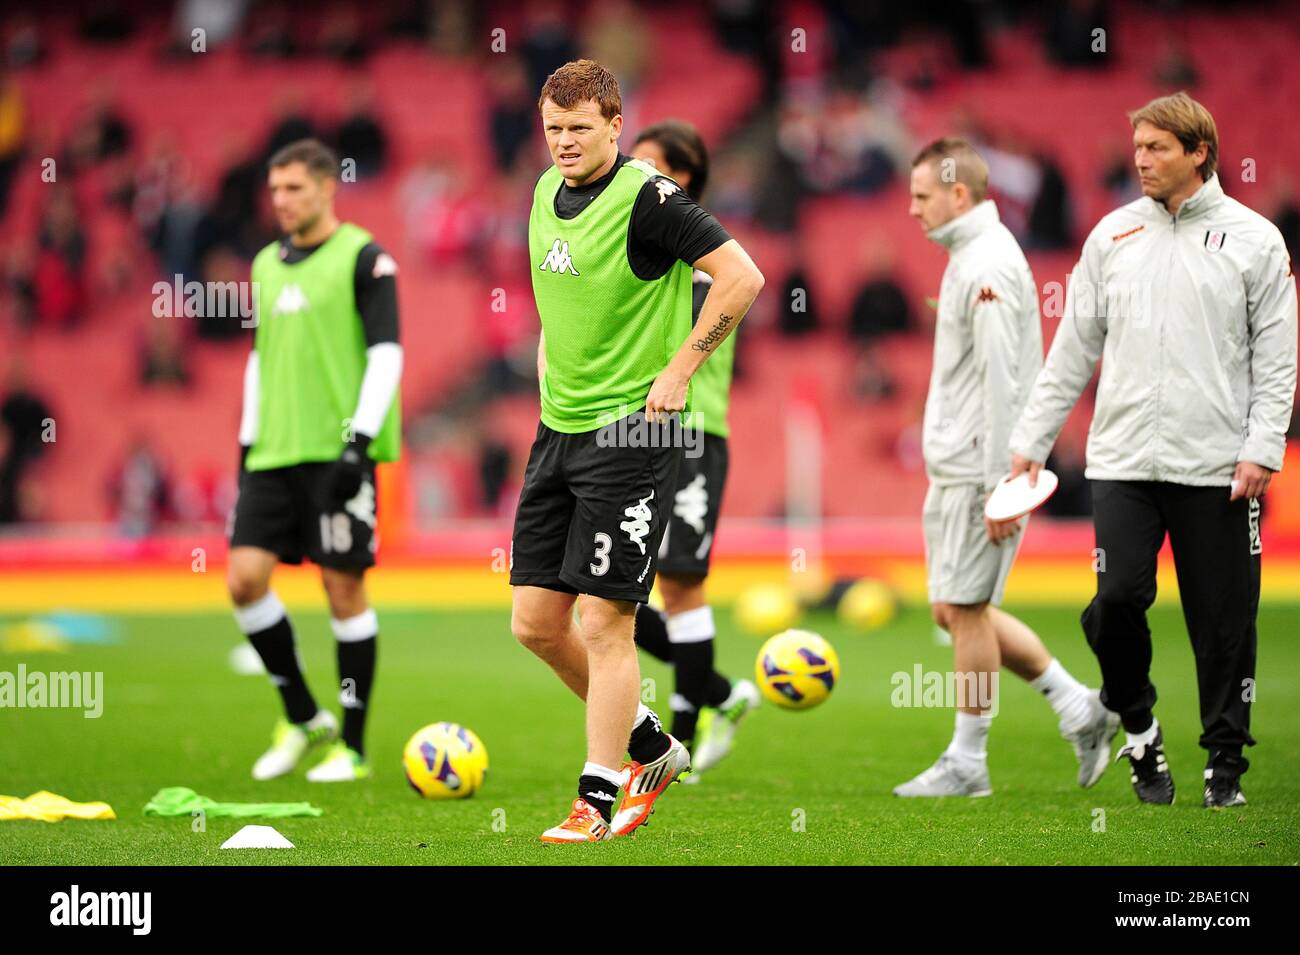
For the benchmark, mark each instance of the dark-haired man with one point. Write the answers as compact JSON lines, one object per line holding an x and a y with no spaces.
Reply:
{"x":320,"y":408}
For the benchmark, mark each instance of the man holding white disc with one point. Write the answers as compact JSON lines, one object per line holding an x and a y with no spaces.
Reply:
{"x":1189,"y":298}
{"x":988,"y":347}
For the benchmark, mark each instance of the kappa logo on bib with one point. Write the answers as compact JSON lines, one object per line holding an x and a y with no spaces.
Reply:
{"x":558,"y":259}
{"x":290,"y":301}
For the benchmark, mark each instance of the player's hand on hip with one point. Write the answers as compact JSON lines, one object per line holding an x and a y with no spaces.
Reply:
{"x":1250,"y":480}
{"x":1020,"y":465}
{"x":347,"y":473}
{"x":667,"y":394}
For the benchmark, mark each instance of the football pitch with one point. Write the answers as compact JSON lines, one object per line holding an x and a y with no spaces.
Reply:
{"x":800,"y":788}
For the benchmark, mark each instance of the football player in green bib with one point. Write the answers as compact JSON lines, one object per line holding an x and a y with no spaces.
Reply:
{"x":612,"y":247}
{"x":682,"y":635}
{"x":320,"y":408}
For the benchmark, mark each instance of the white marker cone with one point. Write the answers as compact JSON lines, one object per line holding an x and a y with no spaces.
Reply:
{"x":257,"y":837}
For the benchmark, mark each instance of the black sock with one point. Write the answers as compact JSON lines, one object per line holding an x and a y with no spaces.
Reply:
{"x":652,"y":633}
{"x":356,"y":677}
{"x":717,"y":691}
{"x":599,"y":792}
{"x":275,"y":646}
{"x":649,"y":741}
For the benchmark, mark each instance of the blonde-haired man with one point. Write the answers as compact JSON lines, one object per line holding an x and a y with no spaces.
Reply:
{"x":988,"y":345}
{"x":1190,"y":299}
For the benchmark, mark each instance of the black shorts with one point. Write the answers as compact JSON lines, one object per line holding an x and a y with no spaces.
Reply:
{"x":285,"y":511}
{"x":688,"y":540}
{"x":592,"y":510}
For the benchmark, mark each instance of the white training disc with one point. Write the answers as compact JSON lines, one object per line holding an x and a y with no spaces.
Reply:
{"x":1014,"y":499}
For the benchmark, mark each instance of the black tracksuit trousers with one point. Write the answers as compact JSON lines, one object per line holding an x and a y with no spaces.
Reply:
{"x":1216,"y":546}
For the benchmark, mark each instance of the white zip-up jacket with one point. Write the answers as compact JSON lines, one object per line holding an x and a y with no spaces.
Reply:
{"x":988,"y":346}
{"x":1194,"y":318}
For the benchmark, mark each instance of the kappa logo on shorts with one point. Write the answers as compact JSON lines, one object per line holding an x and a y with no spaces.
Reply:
{"x":637,"y":525}
{"x":1256,"y":541}
{"x":692,"y":503}
{"x":362,"y":505}
{"x":558,"y":259}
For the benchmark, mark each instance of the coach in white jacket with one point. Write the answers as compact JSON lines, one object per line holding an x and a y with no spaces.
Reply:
{"x":988,"y":346}
{"x":1188,"y":298}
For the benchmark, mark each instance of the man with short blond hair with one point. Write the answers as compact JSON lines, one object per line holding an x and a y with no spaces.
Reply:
{"x":1189,"y":298}
{"x":988,"y":345}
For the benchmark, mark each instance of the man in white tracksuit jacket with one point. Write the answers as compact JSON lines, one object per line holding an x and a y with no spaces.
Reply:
{"x":1188,"y":298}
{"x":988,"y":346}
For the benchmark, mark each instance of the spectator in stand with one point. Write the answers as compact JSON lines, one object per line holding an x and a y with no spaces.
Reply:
{"x":139,"y":494}
{"x":292,"y":123}
{"x":1117,"y":176}
{"x":59,"y":276}
{"x":1050,"y":224}
{"x":1287,"y":220}
{"x":444,"y":215}
{"x":796,"y":312}
{"x":25,"y":418}
{"x":614,"y":35}
{"x":548,"y":41}
{"x":155,"y":182}
{"x":361,"y":137}
{"x":1176,"y":69}
{"x":162,"y":357}
{"x":513,"y":115}
{"x":101,"y":134}
{"x":271,"y":35}
{"x":340,"y":35}
{"x":1070,"y":33}
{"x":878,"y":311}
{"x":20,"y":279}
{"x":24,"y":45}
{"x":234,"y":216}
{"x":184,"y":229}
{"x":12,"y":134}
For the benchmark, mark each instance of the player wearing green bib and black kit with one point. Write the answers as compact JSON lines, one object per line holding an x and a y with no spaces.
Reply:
{"x":612,"y":246}
{"x":320,"y":408}
{"x":682,"y":635}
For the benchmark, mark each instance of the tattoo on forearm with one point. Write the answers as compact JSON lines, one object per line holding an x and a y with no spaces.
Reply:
{"x":715,"y":335}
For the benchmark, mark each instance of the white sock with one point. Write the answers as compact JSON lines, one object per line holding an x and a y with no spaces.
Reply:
{"x":1069,"y":698}
{"x":611,"y":776}
{"x":363,"y":626}
{"x":691,"y":626}
{"x":970,"y":735}
{"x":643,"y":713}
{"x":1139,"y":741}
{"x":260,"y":614}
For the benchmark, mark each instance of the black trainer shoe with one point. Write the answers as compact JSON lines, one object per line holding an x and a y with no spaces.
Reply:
{"x":1222,"y":790}
{"x":1150,"y":771}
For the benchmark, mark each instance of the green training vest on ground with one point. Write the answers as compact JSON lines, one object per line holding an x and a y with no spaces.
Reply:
{"x":311,"y":355}
{"x":711,"y":388}
{"x":608,"y":333}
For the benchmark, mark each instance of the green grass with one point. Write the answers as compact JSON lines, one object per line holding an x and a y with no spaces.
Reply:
{"x":175,"y":714}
